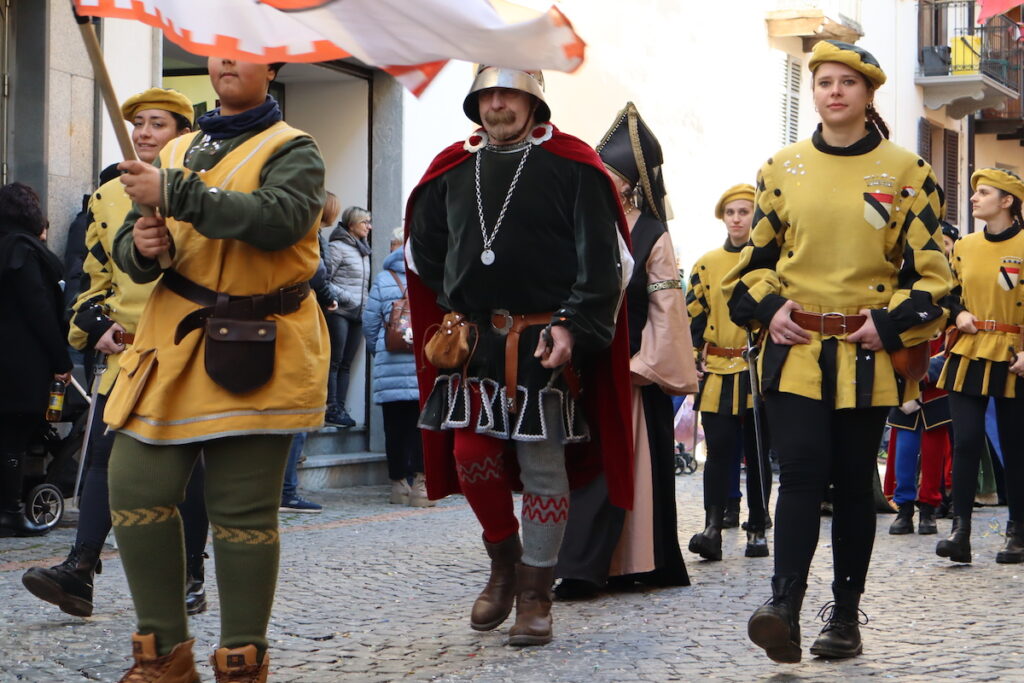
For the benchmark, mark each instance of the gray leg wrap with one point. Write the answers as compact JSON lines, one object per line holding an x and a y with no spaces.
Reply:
{"x":545,"y":494}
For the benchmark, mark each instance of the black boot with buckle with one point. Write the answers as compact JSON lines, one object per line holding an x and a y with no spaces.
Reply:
{"x":68,"y":584}
{"x":840,"y":638}
{"x":926,"y":520}
{"x":775,"y":626}
{"x":708,"y":543}
{"x":958,"y":546}
{"x":904,"y":522}
{"x":1013,"y":551}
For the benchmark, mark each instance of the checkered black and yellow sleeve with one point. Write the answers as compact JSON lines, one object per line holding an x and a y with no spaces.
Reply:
{"x":89,"y":320}
{"x":697,"y":306}
{"x":752,"y":287}
{"x":915,"y":313}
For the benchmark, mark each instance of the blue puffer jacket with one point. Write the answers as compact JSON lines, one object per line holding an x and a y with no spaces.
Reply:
{"x":394,"y":374}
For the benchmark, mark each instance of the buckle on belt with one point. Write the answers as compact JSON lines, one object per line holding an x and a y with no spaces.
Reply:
{"x":826,"y":316}
{"x":503,"y":313}
{"x":988,"y":325}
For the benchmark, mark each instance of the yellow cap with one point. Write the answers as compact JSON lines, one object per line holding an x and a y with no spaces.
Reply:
{"x":157,"y":98}
{"x":741,"y":191}
{"x":999,"y":179}
{"x":857,"y":58}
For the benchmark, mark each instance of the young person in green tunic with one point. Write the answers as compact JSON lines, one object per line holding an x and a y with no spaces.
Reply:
{"x":238,"y":204}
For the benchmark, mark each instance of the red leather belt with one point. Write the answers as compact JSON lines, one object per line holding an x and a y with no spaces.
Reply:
{"x":724,"y":351}
{"x":512,"y":326}
{"x":994,"y":326}
{"x":828,"y":323}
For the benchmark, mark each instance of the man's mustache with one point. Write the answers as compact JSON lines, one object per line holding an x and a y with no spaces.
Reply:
{"x":501,"y":117}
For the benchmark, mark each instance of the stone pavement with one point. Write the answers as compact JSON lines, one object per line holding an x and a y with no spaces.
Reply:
{"x":375,"y":592}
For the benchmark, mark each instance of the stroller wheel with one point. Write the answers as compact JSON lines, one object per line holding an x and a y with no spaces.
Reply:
{"x":44,"y":505}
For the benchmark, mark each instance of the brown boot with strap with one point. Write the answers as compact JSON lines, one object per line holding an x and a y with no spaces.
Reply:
{"x":533,"y":606}
{"x":240,"y":665}
{"x":495,"y":602}
{"x":177,"y":667}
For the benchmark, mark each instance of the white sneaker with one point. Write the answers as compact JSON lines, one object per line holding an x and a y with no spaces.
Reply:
{"x":399,"y":492}
{"x":418,"y":493}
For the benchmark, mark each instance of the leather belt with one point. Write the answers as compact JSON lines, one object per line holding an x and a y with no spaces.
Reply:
{"x":254,"y":307}
{"x":994,"y":326}
{"x":724,"y":351}
{"x":828,"y":323}
{"x":123,"y":338}
{"x":512,"y":326}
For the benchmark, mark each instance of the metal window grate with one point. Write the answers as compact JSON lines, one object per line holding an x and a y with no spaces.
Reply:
{"x":924,"y":139}
{"x":951,"y":172}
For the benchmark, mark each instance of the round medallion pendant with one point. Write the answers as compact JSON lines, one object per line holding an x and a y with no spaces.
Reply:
{"x":487,"y":257}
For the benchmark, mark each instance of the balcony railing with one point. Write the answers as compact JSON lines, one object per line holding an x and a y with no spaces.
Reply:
{"x":952,"y":44}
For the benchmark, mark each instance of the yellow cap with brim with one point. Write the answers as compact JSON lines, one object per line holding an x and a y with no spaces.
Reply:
{"x":741,"y":191}
{"x":158,"y":98}
{"x":999,"y":179}
{"x":857,"y":58}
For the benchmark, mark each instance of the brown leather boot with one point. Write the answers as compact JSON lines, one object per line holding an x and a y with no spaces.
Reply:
{"x":495,"y":602}
{"x":533,"y":606}
{"x":238,"y":665}
{"x":177,"y":667}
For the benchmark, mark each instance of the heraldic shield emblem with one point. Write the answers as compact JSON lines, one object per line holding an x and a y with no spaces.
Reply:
{"x":1009,"y":272}
{"x":877,"y":208}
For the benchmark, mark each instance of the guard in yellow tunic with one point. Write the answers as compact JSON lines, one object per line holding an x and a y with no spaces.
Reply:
{"x":987,"y":359}
{"x":106,"y":314}
{"x":724,"y":401}
{"x":230,"y":358}
{"x":845,"y":268}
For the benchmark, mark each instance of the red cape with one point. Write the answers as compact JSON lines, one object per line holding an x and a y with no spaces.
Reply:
{"x":607,"y":387}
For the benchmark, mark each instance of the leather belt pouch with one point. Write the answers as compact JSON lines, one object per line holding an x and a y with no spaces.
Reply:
{"x":912,"y":362}
{"x":451,"y":345}
{"x":240,"y":353}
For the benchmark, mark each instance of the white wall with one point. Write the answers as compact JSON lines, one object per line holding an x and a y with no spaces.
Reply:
{"x":132,"y":53}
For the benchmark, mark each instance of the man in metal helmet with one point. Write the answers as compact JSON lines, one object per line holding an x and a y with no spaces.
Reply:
{"x":516,"y":239}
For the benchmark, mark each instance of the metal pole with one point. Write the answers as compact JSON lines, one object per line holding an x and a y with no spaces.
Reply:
{"x":99,"y":367}
{"x":751,"y":355}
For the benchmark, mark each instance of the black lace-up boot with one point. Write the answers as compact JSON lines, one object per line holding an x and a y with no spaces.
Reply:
{"x":840,"y":638}
{"x":708,"y":543}
{"x":68,"y":584}
{"x":958,"y":546}
{"x":1013,"y":550}
{"x":775,"y":626}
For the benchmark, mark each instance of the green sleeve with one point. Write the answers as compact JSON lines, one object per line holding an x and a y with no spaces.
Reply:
{"x":139,"y":268}
{"x":275,"y":216}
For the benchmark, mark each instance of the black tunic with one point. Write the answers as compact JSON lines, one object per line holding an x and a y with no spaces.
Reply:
{"x":555,"y":251}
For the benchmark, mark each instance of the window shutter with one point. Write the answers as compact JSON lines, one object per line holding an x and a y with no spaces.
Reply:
{"x":924,"y":139}
{"x":790,"y":129}
{"x":951,"y":172}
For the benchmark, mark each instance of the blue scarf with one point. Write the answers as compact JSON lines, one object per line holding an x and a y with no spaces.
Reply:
{"x":218,"y":127}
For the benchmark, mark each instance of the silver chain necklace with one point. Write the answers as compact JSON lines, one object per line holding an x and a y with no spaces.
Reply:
{"x":487,"y":255}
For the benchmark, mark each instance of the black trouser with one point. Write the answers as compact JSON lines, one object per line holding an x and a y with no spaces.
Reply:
{"x":345,"y":336}
{"x":722,"y":433}
{"x":94,"y":500}
{"x":402,"y":438}
{"x":16,"y":431}
{"x":818,"y":445}
{"x":969,"y":444}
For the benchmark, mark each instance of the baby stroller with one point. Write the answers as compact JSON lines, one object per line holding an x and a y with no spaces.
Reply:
{"x":688,"y":434}
{"x":51,"y":465}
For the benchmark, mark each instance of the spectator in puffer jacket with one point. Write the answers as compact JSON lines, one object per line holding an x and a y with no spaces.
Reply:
{"x":394,"y":384}
{"x":348,"y":268}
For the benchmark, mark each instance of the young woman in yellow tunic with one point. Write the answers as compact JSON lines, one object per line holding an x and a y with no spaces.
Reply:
{"x":987,"y":359}
{"x":845,"y":267}
{"x":230,"y":359}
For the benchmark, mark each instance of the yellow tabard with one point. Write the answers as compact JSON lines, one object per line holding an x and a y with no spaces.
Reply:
{"x":164,"y":395}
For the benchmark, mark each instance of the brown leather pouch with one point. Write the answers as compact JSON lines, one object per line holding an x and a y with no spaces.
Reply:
{"x":952,"y":335}
{"x":452,"y":343}
{"x":240,"y":353}
{"x":912,"y":362}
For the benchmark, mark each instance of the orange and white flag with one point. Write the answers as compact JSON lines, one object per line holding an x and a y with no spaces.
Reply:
{"x":411,"y":39}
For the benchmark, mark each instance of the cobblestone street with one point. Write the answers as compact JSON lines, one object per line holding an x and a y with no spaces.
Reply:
{"x":374,"y":592}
